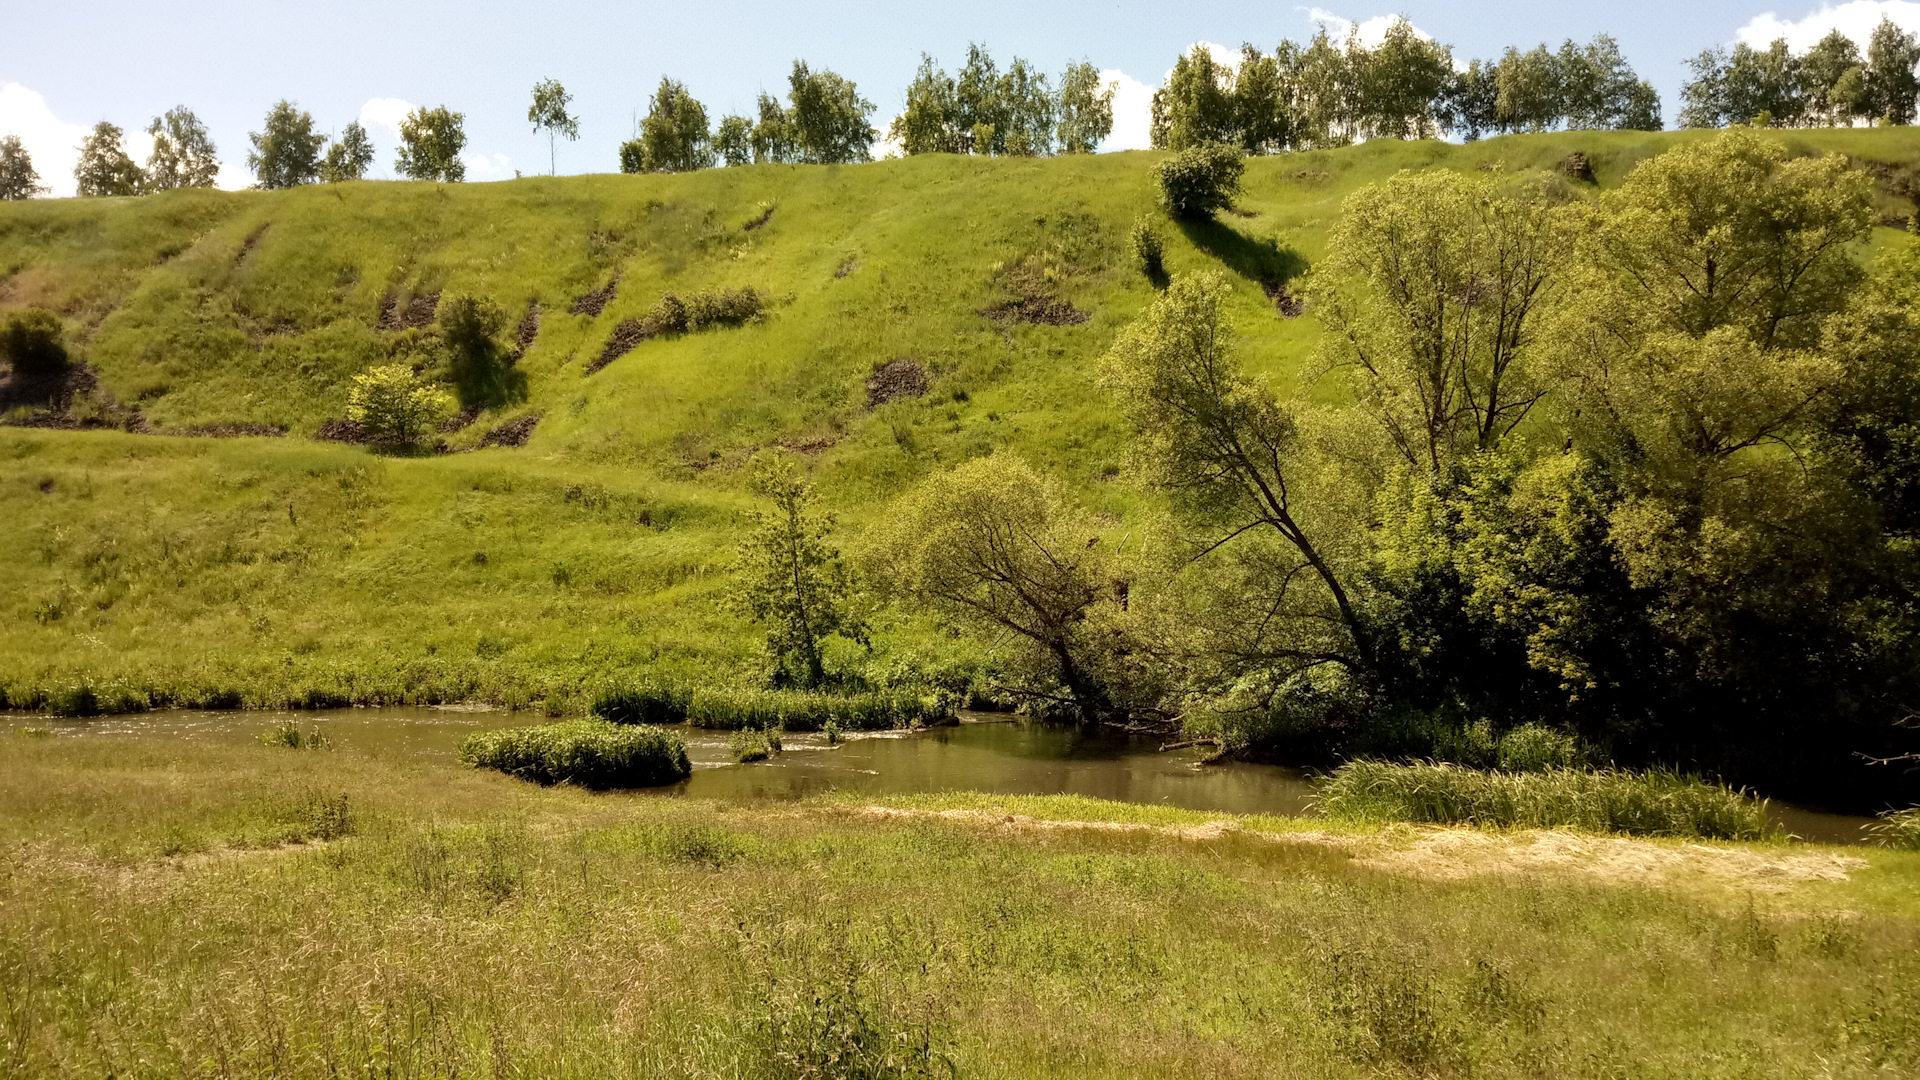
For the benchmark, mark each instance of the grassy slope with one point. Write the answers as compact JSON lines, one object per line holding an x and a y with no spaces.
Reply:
{"x":273,"y":566}
{"x":154,"y":921}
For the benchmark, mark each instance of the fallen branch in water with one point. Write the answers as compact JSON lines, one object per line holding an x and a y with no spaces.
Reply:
{"x":1215,"y":743}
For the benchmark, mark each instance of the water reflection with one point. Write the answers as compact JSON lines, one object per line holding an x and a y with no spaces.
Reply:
{"x":987,"y":754}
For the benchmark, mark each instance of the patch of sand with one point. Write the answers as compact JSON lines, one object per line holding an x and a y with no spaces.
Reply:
{"x":1451,"y":854}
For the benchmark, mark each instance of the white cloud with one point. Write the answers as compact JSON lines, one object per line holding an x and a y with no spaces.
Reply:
{"x":1372,"y":31}
{"x":481,"y":167}
{"x":385,"y":113}
{"x":1856,"y":19}
{"x":53,"y":144}
{"x":1132,"y":111}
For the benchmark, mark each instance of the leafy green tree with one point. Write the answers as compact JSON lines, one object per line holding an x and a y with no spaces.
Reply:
{"x":183,"y":154}
{"x":18,"y":178}
{"x":1026,"y":109}
{"x":1529,"y":90}
{"x":1431,"y":292}
{"x":287,"y":153}
{"x":993,"y":546}
{"x":1085,"y":110}
{"x":790,"y":579}
{"x":1892,"y":86}
{"x":774,"y":136}
{"x":1832,"y":81}
{"x":929,"y":123}
{"x":1259,"y":103}
{"x":30,"y":343}
{"x":1234,"y":462}
{"x":430,"y":145}
{"x":674,"y":137}
{"x":349,"y":157}
{"x":1469,"y":104}
{"x":1400,"y":80}
{"x":1196,"y":105}
{"x":733,"y":140}
{"x":1322,"y":95}
{"x":481,"y":366}
{"x":395,"y":407}
{"x":104,"y":167}
{"x":831,"y":121}
{"x":1200,"y":181}
{"x":548,"y":113}
{"x":977,"y":104}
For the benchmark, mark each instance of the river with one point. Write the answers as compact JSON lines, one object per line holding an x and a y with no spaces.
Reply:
{"x":987,"y":753}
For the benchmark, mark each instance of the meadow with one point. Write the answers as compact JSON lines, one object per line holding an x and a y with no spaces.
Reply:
{"x":152,"y":568}
{"x":227,"y":909}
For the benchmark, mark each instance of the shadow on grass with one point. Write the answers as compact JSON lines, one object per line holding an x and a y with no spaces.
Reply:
{"x":1259,"y":259}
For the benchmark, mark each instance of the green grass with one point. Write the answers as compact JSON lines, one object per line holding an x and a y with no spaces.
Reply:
{"x":589,"y":753}
{"x":1898,"y":829}
{"x":150,"y":570}
{"x":173,"y":908}
{"x":1607,"y":800}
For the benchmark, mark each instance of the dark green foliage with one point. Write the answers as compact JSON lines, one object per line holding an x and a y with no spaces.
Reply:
{"x":588,"y":753}
{"x":287,"y":153}
{"x":1643,"y":804}
{"x":18,"y":178}
{"x":650,"y":702}
{"x":430,"y":145}
{"x":698,"y":311}
{"x":655,"y":702}
{"x":789,"y":578}
{"x":481,"y":365}
{"x":104,"y":167}
{"x":1149,"y":250}
{"x":1200,"y":180}
{"x":1196,"y":106}
{"x":830,"y":121}
{"x":30,"y":343}
{"x":673,"y":137}
{"x":1085,"y":109}
{"x":349,"y":157}
{"x":732,"y":140}
{"x":1830,"y":84}
{"x":754,"y":744}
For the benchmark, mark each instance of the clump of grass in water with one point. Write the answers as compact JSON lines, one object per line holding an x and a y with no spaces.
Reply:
{"x":1897,"y":829}
{"x":791,"y":710}
{"x":290,"y":736}
{"x":1655,"y":803}
{"x":755,"y":744}
{"x":590,"y":753}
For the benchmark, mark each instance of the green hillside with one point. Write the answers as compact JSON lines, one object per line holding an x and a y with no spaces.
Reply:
{"x":288,"y":568}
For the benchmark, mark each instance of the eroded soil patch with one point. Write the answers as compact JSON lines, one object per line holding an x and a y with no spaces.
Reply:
{"x":511,"y":433}
{"x":897,"y":379}
{"x":417,"y":313}
{"x":596,"y":301}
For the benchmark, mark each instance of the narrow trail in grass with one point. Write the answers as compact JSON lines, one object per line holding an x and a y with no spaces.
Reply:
{"x":1447,"y":854}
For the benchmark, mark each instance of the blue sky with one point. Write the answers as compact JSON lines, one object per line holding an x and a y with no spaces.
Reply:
{"x":65,"y":66}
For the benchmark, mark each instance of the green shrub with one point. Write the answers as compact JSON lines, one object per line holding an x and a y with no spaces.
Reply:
{"x":799,"y":710}
{"x":754,"y":744}
{"x":30,"y":342}
{"x":1200,"y":181}
{"x":1537,"y":748}
{"x":1898,"y":829}
{"x":648,"y":703}
{"x":590,"y":753}
{"x":1647,"y":804}
{"x":290,"y":736}
{"x":1149,"y":251}
{"x":395,"y":407}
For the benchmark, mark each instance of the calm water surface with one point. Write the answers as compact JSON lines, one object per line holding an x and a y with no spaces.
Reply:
{"x":983,"y":753}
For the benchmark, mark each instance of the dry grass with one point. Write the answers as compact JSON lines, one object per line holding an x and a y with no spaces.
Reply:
{"x":158,"y":918}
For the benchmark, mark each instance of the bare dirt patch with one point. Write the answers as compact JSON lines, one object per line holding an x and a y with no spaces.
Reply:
{"x":1284,"y":301}
{"x":765,"y":216}
{"x":416,"y":313}
{"x":1577,"y":167}
{"x":341,"y":430}
{"x":596,"y":301}
{"x":228,"y":429}
{"x":897,"y":379}
{"x":529,"y":329}
{"x":512,"y":433}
